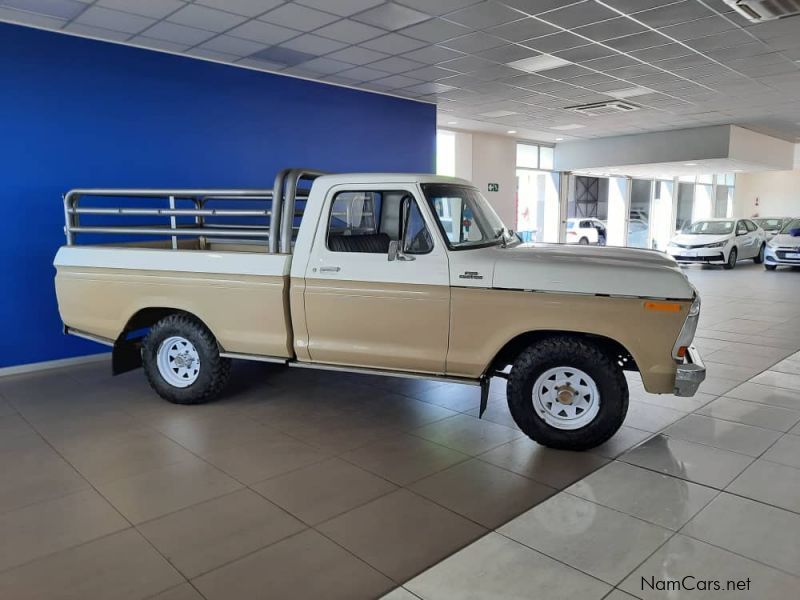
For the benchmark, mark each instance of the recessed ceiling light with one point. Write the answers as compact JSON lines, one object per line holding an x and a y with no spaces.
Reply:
{"x":452,"y":122}
{"x":497,"y":113}
{"x":567,"y":127}
{"x":543,"y":62}
{"x":559,"y":139}
{"x":689,"y":164}
{"x":511,"y":131}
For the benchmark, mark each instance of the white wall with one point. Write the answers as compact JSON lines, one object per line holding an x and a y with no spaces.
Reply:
{"x":778,"y":194}
{"x":494,"y":160}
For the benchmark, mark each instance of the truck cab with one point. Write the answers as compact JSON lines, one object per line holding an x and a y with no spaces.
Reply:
{"x":398,"y":274}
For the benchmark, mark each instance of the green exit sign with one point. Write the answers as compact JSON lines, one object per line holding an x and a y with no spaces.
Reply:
{"x":494,"y":187}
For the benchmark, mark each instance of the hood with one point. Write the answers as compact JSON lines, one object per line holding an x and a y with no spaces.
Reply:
{"x":697,"y":239}
{"x":588,"y":270}
{"x":784,"y":239}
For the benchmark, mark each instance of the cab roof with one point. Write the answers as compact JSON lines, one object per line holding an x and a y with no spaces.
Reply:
{"x":384,"y":178}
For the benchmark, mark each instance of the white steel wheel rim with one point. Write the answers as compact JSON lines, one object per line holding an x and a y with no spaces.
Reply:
{"x":178,"y":361}
{"x":566,"y":398}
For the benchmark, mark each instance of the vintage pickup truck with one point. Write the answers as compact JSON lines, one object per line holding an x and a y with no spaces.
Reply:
{"x":397,"y":274}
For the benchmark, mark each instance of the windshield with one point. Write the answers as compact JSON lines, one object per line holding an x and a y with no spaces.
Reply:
{"x":711,"y":227}
{"x":793,"y":224}
{"x":465,"y":217}
{"x":769,"y":223}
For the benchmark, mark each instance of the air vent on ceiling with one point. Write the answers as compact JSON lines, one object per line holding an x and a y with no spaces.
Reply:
{"x":612,"y":107}
{"x":765,"y":10}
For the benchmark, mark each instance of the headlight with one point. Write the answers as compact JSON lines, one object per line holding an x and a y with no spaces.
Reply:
{"x":686,"y":336}
{"x":716,"y":245}
{"x":672,"y":245}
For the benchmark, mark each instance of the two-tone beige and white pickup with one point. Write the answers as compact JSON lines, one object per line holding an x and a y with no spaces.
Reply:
{"x":407,"y":275}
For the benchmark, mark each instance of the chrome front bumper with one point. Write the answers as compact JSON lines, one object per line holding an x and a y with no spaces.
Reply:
{"x":690,"y":374}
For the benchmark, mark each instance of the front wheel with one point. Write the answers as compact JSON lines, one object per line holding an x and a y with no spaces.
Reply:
{"x":759,"y":258}
{"x":182,"y":362}
{"x":565,"y":393}
{"x":732,"y":258}
{"x":584,"y":241}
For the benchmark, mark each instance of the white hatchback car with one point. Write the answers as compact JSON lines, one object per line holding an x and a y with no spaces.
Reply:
{"x":784,"y":248}
{"x":586,"y":230}
{"x":719,"y":241}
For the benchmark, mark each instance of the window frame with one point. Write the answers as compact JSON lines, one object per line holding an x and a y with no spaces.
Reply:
{"x":382,"y":192}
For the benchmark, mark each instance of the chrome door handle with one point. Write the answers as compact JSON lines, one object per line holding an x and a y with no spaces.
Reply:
{"x":330,"y":269}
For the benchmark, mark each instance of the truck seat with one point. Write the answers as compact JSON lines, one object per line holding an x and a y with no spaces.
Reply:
{"x":377,"y":243}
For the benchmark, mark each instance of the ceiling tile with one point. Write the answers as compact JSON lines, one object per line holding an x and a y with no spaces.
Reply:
{"x":438,"y":7}
{"x":466,"y":64}
{"x":431,"y":74}
{"x":585,"y":53}
{"x":349,"y":31}
{"x":435,"y":30}
{"x":522,"y":29}
{"x":432,"y":54}
{"x":247,"y":8}
{"x":473,"y":42}
{"x":484,"y":15}
{"x":582,"y":13}
{"x":613,"y":28}
{"x":343,"y":8}
{"x":232,"y":45}
{"x":554,"y":42}
{"x":393,"y":43}
{"x":698,"y":28}
{"x":313,"y":44}
{"x":97,"y":32}
{"x":357,"y":55}
{"x":298,"y":17}
{"x":391,"y":16}
{"x":61,"y":9}
{"x":396,"y":64}
{"x":632,"y":6}
{"x":362,"y":74}
{"x":508,"y":53}
{"x":670,"y":14}
{"x":179,"y":34}
{"x":212,"y":55}
{"x":430,"y":88}
{"x":536,"y":7}
{"x":157,"y":9}
{"x":396,"y":81}
{"x":637,"y":41}
{"x":97,"y":16}
{"x":202,"y":17}
{"x":157,"y":44}
{"x":266,"y":33}
{"x":662,"y":52}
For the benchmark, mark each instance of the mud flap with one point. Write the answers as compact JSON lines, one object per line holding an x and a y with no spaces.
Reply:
{"x":485,"y":381}
{"x":126,"y":356}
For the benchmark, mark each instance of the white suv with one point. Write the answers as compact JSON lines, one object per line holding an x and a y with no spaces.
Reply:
{"x":586,"y":230}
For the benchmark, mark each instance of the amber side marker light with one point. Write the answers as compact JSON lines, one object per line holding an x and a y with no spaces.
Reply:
{"x":682,"y":352}
{"x":663,"y":306}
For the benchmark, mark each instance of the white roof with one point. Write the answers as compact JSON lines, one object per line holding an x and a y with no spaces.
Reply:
{"x":344,"y":178}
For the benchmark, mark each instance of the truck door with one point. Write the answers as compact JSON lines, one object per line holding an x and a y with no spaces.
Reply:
{"x":368,"y":307}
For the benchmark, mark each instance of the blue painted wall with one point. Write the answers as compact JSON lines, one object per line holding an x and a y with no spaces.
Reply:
{"x":82,"y":113}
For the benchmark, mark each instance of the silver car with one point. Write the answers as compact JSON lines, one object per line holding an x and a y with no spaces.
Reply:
{"x":784,"y":248}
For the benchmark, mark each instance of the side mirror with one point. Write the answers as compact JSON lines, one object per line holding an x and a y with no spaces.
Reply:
{"x":396,"y":251}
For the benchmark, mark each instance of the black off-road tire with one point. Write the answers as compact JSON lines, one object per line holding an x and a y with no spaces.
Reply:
{"x":214,"y":369}
{"x":759,"y":258}
{"x":568,"y":351}
{"x":732,"y":258}
{"x":770,"y":267}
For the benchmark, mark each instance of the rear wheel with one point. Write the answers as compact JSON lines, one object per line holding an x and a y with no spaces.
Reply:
{"x":584,"y":241}
{"x":182,"y":362}
{"x":565,"y":393}
{"x":759,"y":258}
{"x":732,"y":258}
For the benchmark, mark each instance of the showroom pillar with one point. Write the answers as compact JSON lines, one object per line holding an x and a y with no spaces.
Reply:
{"x":619,"y":203}
{"x":565,"y":185}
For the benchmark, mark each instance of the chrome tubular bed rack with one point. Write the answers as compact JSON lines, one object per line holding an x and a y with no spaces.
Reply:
{"x":258,"y":217}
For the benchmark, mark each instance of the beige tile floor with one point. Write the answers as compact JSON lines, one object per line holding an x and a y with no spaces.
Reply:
{"x":302,"y":484}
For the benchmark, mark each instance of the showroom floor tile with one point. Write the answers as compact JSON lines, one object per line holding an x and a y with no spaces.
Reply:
{"x":378,"y":482}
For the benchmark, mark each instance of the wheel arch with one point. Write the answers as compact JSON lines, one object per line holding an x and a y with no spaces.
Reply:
{"x":126,"y":354}
{"x":512,"y":348}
